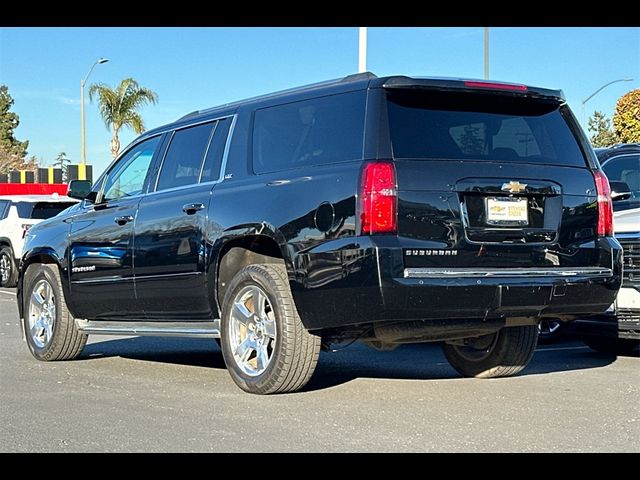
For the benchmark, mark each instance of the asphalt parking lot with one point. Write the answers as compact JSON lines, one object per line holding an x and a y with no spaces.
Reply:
{"x":162,"y":394}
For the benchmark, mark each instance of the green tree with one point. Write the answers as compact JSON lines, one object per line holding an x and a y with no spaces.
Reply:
{"x":603,"y":135}
{"x":626,"y":119}
{"x":12,"y":151}
{"x":11,"y":161}
{"x":62,"y":161}
{"x":119,"y":107}
{"x":8,"y":123}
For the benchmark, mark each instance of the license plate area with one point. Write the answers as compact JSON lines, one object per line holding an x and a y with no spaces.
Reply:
{"x":506,"y":211}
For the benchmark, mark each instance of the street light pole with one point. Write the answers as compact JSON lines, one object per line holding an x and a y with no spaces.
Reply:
{"x":362,"y":50}
{"x":486,"y":53}
{"x":82,"y":84}
{"x":598,"y":91}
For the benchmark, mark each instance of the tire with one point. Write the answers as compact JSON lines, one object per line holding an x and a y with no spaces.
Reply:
{"x":8,"y":268}
{"x":501,"y":354}
{"x":49,"y":328}
{"x":277,"y":339}
{"x":616,"y":346}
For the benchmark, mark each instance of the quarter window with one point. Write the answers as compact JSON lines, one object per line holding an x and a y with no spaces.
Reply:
{"x":311,"y":132}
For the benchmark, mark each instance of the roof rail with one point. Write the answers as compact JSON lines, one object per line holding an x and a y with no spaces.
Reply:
{"x":359,"y":76}
{"x":190,"y":114}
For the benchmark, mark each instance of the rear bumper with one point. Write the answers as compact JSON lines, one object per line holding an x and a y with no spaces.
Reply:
{"x":375,"y":286}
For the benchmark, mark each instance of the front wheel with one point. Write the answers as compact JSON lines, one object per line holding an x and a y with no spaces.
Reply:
{"x":615,"y":346}
{"x":49,"y":327}
{"x":264,"y":344}
{"x":501,"y":354}
{"x":8,"y":270}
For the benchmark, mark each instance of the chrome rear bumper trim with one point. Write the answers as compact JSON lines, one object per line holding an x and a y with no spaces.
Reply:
{"x":506,"y":272}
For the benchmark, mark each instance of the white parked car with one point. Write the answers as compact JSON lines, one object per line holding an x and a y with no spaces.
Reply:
{"x":17,"y":214}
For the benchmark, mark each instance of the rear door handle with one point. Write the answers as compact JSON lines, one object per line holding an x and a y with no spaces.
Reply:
{"x":191,"y":208}
{"x":123,"y":220}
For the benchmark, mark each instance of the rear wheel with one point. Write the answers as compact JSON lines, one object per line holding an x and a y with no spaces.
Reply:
{"x":264,"y":344}
{"x":501,"y":354}
{"x":8,"y":268}
{"x":49,"y":327}
{"x":616,"y":346}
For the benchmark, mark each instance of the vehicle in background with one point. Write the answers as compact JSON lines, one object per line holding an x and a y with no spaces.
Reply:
{"x":17,"y":214}
{"x":621,"y":164}
{"x":618,"y":330}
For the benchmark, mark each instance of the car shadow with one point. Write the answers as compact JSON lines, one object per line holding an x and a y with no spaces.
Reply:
{"x":196,"y":352}
{"x":407,"y":362}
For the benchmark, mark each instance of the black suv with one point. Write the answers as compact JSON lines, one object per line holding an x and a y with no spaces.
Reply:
{"x":389,"y":210}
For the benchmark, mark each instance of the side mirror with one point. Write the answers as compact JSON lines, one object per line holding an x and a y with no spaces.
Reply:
{"x":619,"y":191}
{"x":81,"y":189}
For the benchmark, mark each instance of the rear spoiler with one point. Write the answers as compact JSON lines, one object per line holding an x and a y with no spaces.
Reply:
{"x":464,"y":85}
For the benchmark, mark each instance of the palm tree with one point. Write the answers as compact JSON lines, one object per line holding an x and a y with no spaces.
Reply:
{"x":119,"y":107}
{"x":61,"y":161}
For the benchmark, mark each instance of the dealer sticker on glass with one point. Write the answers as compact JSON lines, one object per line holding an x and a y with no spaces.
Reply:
{"x":507,"y":210}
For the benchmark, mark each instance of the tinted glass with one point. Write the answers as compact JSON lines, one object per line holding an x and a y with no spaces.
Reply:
{"x":4,"y":208}
{"x":183,"y":160}
{"x":24,"y":209}
{"x":479,"y":127}
{"x":310,"y":132}
{"x":213,"y":160}
{"x":128,"y":175}
{"x":625,"y":169}
{"x":44,"y":210}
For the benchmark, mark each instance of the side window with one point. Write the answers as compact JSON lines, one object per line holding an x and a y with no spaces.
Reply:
{"x":183,"y":160}
{"x":213,"y":160}
{"x":24,"y":209}
{"x":127,"y":177}
{"x":310,"y":132}
{"x":625,"y":169}
{"x":4,"y":208}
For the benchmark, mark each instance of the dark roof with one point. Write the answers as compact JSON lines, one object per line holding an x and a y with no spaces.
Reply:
{"x":365,"y":80}
{"x":620,"y":149}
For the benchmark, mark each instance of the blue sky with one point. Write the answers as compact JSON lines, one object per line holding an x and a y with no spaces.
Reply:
{"x":195,"y":68}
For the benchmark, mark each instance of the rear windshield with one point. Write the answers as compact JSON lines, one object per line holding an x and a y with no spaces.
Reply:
{"x":479,"y":127}
{"x":41,"y":210}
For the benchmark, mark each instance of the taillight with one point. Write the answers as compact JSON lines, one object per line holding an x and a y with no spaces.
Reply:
{"x":605,"y":206}
{"x":514,"y":87}
{"x":378,"y":199}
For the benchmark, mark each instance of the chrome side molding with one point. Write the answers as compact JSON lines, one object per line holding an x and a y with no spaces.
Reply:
{"x":169,"y":329}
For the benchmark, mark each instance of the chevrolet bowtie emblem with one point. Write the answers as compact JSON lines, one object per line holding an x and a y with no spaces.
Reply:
{"x":514,"y":187}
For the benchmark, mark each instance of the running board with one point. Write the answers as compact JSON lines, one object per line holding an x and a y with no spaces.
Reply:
{"x":169,"y":329}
